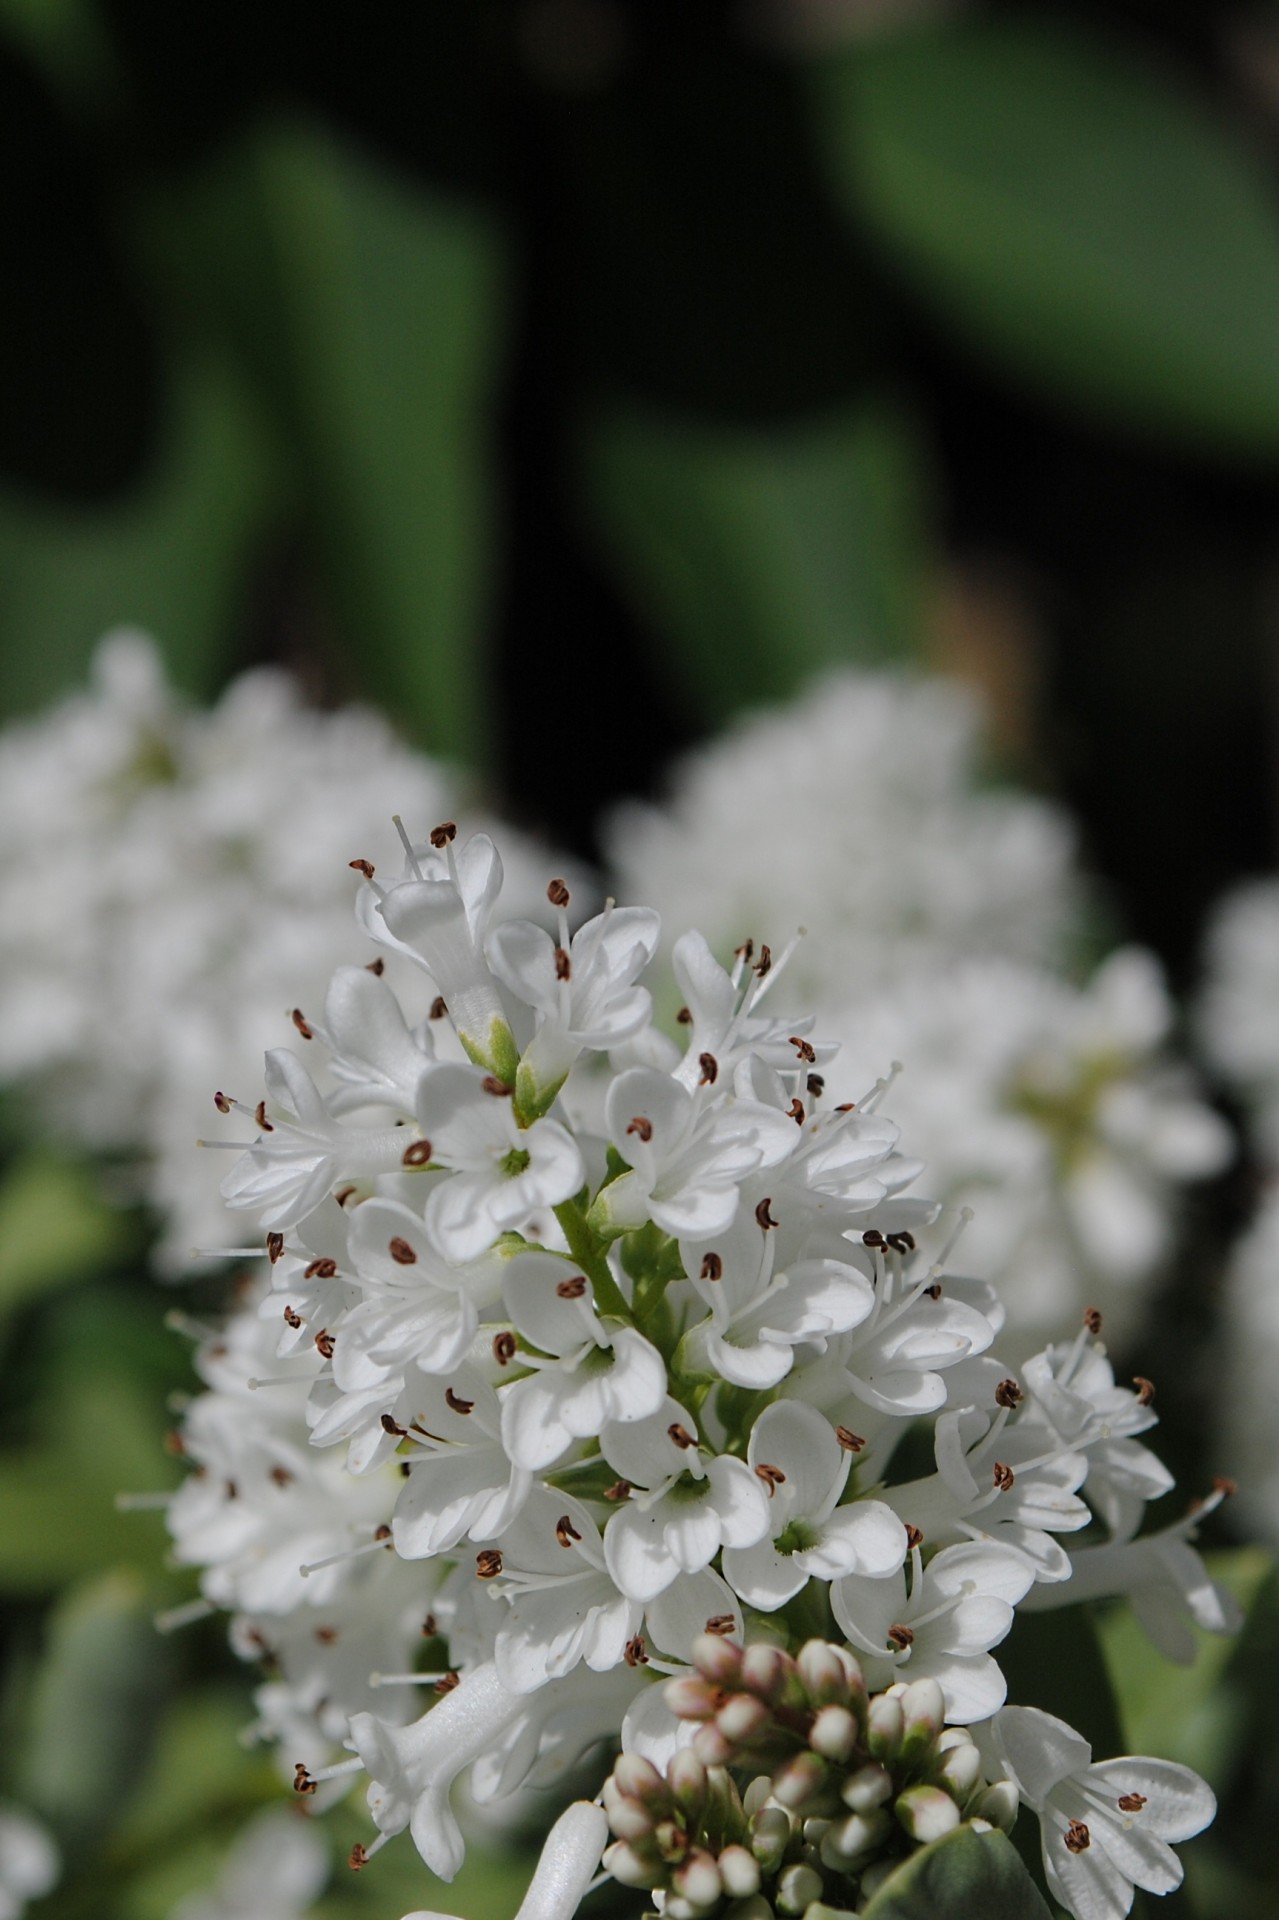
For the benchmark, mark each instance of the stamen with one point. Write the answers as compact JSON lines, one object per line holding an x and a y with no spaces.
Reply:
{"x":712,"y":1267}
{"x":505,"y":1347}
{"x":443,"y":835}
{"x":438,"y":1008}
{"x":141,"y":1502}
{"x":558,"y":894}
{"x":1077,"y":1837}
{"x":644,"y":1128}
{"x":184,"y":1616}
{"x":302,"y":1024}
{"x":380,"y":1540}
{"x":1145,"y":1389}
{"x":1008,"y":1394}
{"x":416,"y":1155}
{"x":407,"y":845}
{"x":401,"y":1252}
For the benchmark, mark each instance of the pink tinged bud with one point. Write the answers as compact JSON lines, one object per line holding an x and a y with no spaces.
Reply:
{"x":999,"y":1805}
{"x":711,"y":1748}
{"x":926,"y":1813}
{"x":717,"y":1660}
{"x":739,"y":1872}
{"x":923,"y":1716}
{"x":959,"y":1771}
{"x":833,"y":1734}
{"x":885,"y":1724}
{"x":824,"y":1670}
{"x":628,"y":1819}
{"x":686,"y":1778}
{"x":796,"y":1783}
{"x":698,"y":1880}
{"x":845,"y":1842}
{"x":797,"y":1889}
{"x":764,"y":1671}
{"x":867,"y":1789}
{"x":631,"y":1869}
{"x":671,"y":1839}
{"x":690,"y":1699}
{"x":770,"y":1837}
{"x":742,"y":1718}
{"x":639,"y":1779}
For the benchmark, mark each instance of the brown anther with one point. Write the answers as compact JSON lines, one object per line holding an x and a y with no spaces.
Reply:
{"x":804,"y":1048}
{"x":914,"y":1536}
{"x":344,"y":1194}
{"x":902,"y":1242}
{"x":300,"y":1022}
{"x":712,"y":1267}
{"x":620,"y":1490}
{"x":456,"y":1401}
{"x":417,"y":1155}
{"x":563,"y":964}
{"x":358,"y":1857}
{"x":565,"y":1532}
{"x":796,"y":1112}
{"x":851,"y":1442}
{"x":934,"y":1292}
{"x":498,"y":1088}
{"x":488,"y":1564}
{"x":765,"y":962}
{"x":901,"y":1637}
{"x":572,"y":1289}
{"x":505,"y":1347}
{"x":636,"y":1653}
{"x":710,"y":1069}
{"x":438,"y":1008}
{"x":390,"y":1425}
{"x":324,"y":1342}
{"x":1004,"y":1476}
{"x":281,"y":1476}
{"x":362,"y":866}
{"x":175,"y":1444}
{"x":1131,"y":1802}
{"x":1008,"y":1393}
{"x":430,"y":1627}
{"x":441,"y":835}
{"x":322,"y":1269}
{"x":259,"y":1114}
{"x":403,"y":1254}
{"x":274,"y":1246}
{"x":772,"y":1477}
{"x":745,"y":952}
{"x":1145,"y":1389}
{"x":1224,"y":1485}
{"x":1077,"y":1837}
{"x":327,"y":1636}
{"x":221,"y":1102}
{"x":447,"y":1682}
{"x":406,"y":1469}
{"x":1092,"y":1320}
{"x":292,"y":1318}
{"x":815,"y":1085}
{"x":382,"y":1534}
{"x":847,"y":1106}
{"x":302,"y":1781}
{"x":642,"y":1127}
{"x":681,"y":1436}
{"x":873,"y":1238}
{"x":377,"y":967}
{"x":558,"y":894}
{"x":763,"y":1215}
{"x":722,"y":1624}
{"x":685,"y":1016}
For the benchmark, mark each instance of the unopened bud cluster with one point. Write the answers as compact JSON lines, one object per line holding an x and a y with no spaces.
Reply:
{"x":799,"y":1793}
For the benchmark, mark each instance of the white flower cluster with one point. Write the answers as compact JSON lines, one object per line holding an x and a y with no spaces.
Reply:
{"x":170,"y":886}
{"x":945,"y":919}
{"x":561,"y":1404}
{"x":29,"y":1863}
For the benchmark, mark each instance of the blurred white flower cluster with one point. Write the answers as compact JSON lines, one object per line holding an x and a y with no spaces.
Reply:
{"x":172,"y":883}
{"x":537,"y":1417}
{"x":944,"y":921}
{"x":29,"y":1863}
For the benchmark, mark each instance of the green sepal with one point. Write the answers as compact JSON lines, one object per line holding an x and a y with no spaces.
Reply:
{"x":965,"y":1876}
{"x":532,"y":1100}
{"x":498,"y":1054}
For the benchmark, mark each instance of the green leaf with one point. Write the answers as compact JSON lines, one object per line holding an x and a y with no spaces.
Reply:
{"x":370,"y":315}
{"x":966,"y":1876}
{"x":94,"y":1708}
{"x":53,"y":1228}
{"x":763,"y":555}
{"x":169,"y":557}
{"x":1075,"y":212}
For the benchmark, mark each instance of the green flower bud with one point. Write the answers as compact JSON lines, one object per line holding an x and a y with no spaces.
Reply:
{"x":797,"y":1888}
{"x":926,"y":1813}
{"x":833,"y":1733}
{"x":999,"y":1804}
{"x":885,"y":1725}
{"x":868,"y":1788}
{"x":739,"y":1871}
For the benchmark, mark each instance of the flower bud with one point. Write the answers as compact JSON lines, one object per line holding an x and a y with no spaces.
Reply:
{"x":999,"y":1804}
{"x":756,"y":1794}
{"x":631,"y":1869}
{"x":824,"y":1671}
{"x":770,"y":1837}
{"x":959,"y":1771}
{"x":739,"y":1871}
{"x":689,"y":1698}
{"x":848,"y":1841}
{"x":875,"y":1875}
{"x":671,"y":1839}
{"x":797,"y":1888}
{"x":833,"y":1733}
{"x":629,"y":1819}
{"x":639,"y":1779}
{"x":717,"y":1660}
{"x":800,"y":1780}
{"x":698,"y":1880}
{"x":686,"y":1777}
{"x":742,"y":1719}
{"x":885,"y":1724}
{"x":926,"y":1813}
{"x":923,"y":1715}
{"x":711,"y":1747}
{"x":764,"y":1671}
{"x":868,"y":1788}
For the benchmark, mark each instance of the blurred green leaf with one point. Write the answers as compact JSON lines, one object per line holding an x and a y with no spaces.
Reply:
{"x":370,"y":314}
{"x":763,"y":555}
{"x":94,"y":1708}
{"x":53,"y":1227}
{"x":1076,"y":212}
{"x":170,"y":557}
{"x":966,"y":1876}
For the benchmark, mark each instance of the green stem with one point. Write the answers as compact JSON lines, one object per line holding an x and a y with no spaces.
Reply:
{"x":588,"y":1251}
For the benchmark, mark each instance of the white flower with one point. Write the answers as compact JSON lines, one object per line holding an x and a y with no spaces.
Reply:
{"x":564,"y":1604}
{"x":502,"y":1173}
{"x":461,"y":1479}
{"x":29,"y":1863}
{"x":565,"y":1869}
{"x":277,"y":1866}
{"x":1105,"y":1826}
